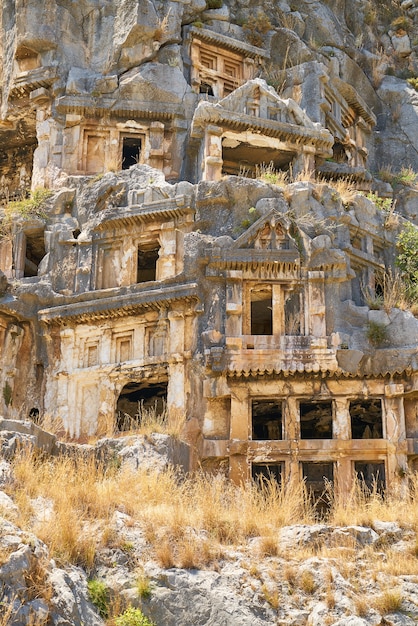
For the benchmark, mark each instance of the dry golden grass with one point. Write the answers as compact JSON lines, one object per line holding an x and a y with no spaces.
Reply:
{"x":190,"y":522}
{"x":145,"y":422}
{"x":389,"y":601}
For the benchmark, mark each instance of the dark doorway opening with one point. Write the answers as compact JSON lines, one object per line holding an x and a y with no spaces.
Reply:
{"x":267,"y":471}
{"x":317,"y":476}
{"x":316,"y":420}
{"x":267,"y":420}
{"x":292,"y":314}
{"x":35,"y":252}
{"x":366,"y":419}
{"x":131,"y":151}
{"x":206,"y":88}
{"x":139,"y":403}
{"x":371,"y":475}
{"x":147,"y":265}
{"x":261,"y":312}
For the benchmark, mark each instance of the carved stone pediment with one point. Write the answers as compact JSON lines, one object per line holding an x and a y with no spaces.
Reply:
{"x":257,"y":107}
{"x":270,"y":232}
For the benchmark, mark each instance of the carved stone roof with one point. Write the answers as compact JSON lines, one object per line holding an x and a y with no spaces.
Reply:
{"x":297,"y":129}
{"x":116,"y":107}
{"x":117,"y":306}
{"x":160,"y":209}
{"x":227,"y":42}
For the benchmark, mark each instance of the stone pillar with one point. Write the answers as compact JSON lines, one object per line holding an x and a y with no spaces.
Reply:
{"x":84,"y":278}
{"x":233,"y":326}
{"x":212,"y":159}
{"x":343,"y":479}
{"x":156,"y":139}
{"x":46,"y":134}
{"x":238,"y":468}
{"x":395,"y":431}
{"x":176,"y":332}
{"x":292,"y":434}
{"x":6,"y":257}
{"x":128,"y":268}
{"x":240,"y":415}
{"x":278,"y":310}
{"x":72,"y":148}
{"x":317,"y":326}
{"x":175,"y":394}
{"x":342,"y":421}
{"x":19,"y":254}
{"x":304,"y":162}
{"x":166,"y":264}
{"x":105,"y":351}
{"x":139,"y":341}
{"x":114,"y":152}
{"x":67,"y":338}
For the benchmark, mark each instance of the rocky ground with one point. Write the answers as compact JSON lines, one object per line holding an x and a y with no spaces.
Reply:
{"x":315,"y":574}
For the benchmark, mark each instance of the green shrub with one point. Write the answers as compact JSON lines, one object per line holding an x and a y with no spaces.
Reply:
{"x":401,"y":23}
{"x":384,"y":204}
{"x":99,"y":596}
{"x":30,"y":206}
{"x":413,"y":82}
{"x":377,"y":333}
{"x":132,"y":617}
{"x":7,"y":394}
{"x":144,"y":587}
{"x":407,"y":258}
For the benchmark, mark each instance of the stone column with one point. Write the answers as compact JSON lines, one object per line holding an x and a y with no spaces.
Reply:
{"x":240,"y":414}
{"x":156,"y":139}
{"x":233,"y":325}
{"x":212,"y":159}
{"x":278,"y":310}
{"x":166,"y":264}
{"x":292,"y":434}
{"x":19,"y":254}
{"x":176,"y":332}
{"x":395,"y":431}
{"x":317,"y":326}
{"x":176,"y":403}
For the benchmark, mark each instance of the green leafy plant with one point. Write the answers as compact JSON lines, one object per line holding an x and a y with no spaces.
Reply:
{"x":99,"y":596}
{"x":401,"y":23}
{"x":377,"y":333}
{"x":384,"y":204}
{"x":25,"y":209}
{"x":132,"y":617}
{"x":143,"y":585}
{"x":407,"y":258}
{"x":7,"y":394}
{"x":413,"y":82}
{"x":30,"y":207}
{"x":255,"y":27}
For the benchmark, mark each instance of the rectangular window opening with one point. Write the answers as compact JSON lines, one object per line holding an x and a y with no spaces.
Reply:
{"x":316,"y":420}
{"x":147,"y":265}
{"x":292,"y":314}
{"x":371,"y":475}
{"x":316,"y":477}
{"x":267,"y":420}
{"x":366,"y":419}
{"x":131,"y":151}
{"x":35,"y":252}
{"x":261,"y":312}
{"x":267,"y":471}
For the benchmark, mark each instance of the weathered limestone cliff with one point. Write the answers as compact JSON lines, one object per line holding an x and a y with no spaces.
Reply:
{"x":209,"y":210}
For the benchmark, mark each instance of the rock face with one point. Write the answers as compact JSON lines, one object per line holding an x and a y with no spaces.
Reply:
{"x":180,"y":261}
{"x":317,"y":574}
